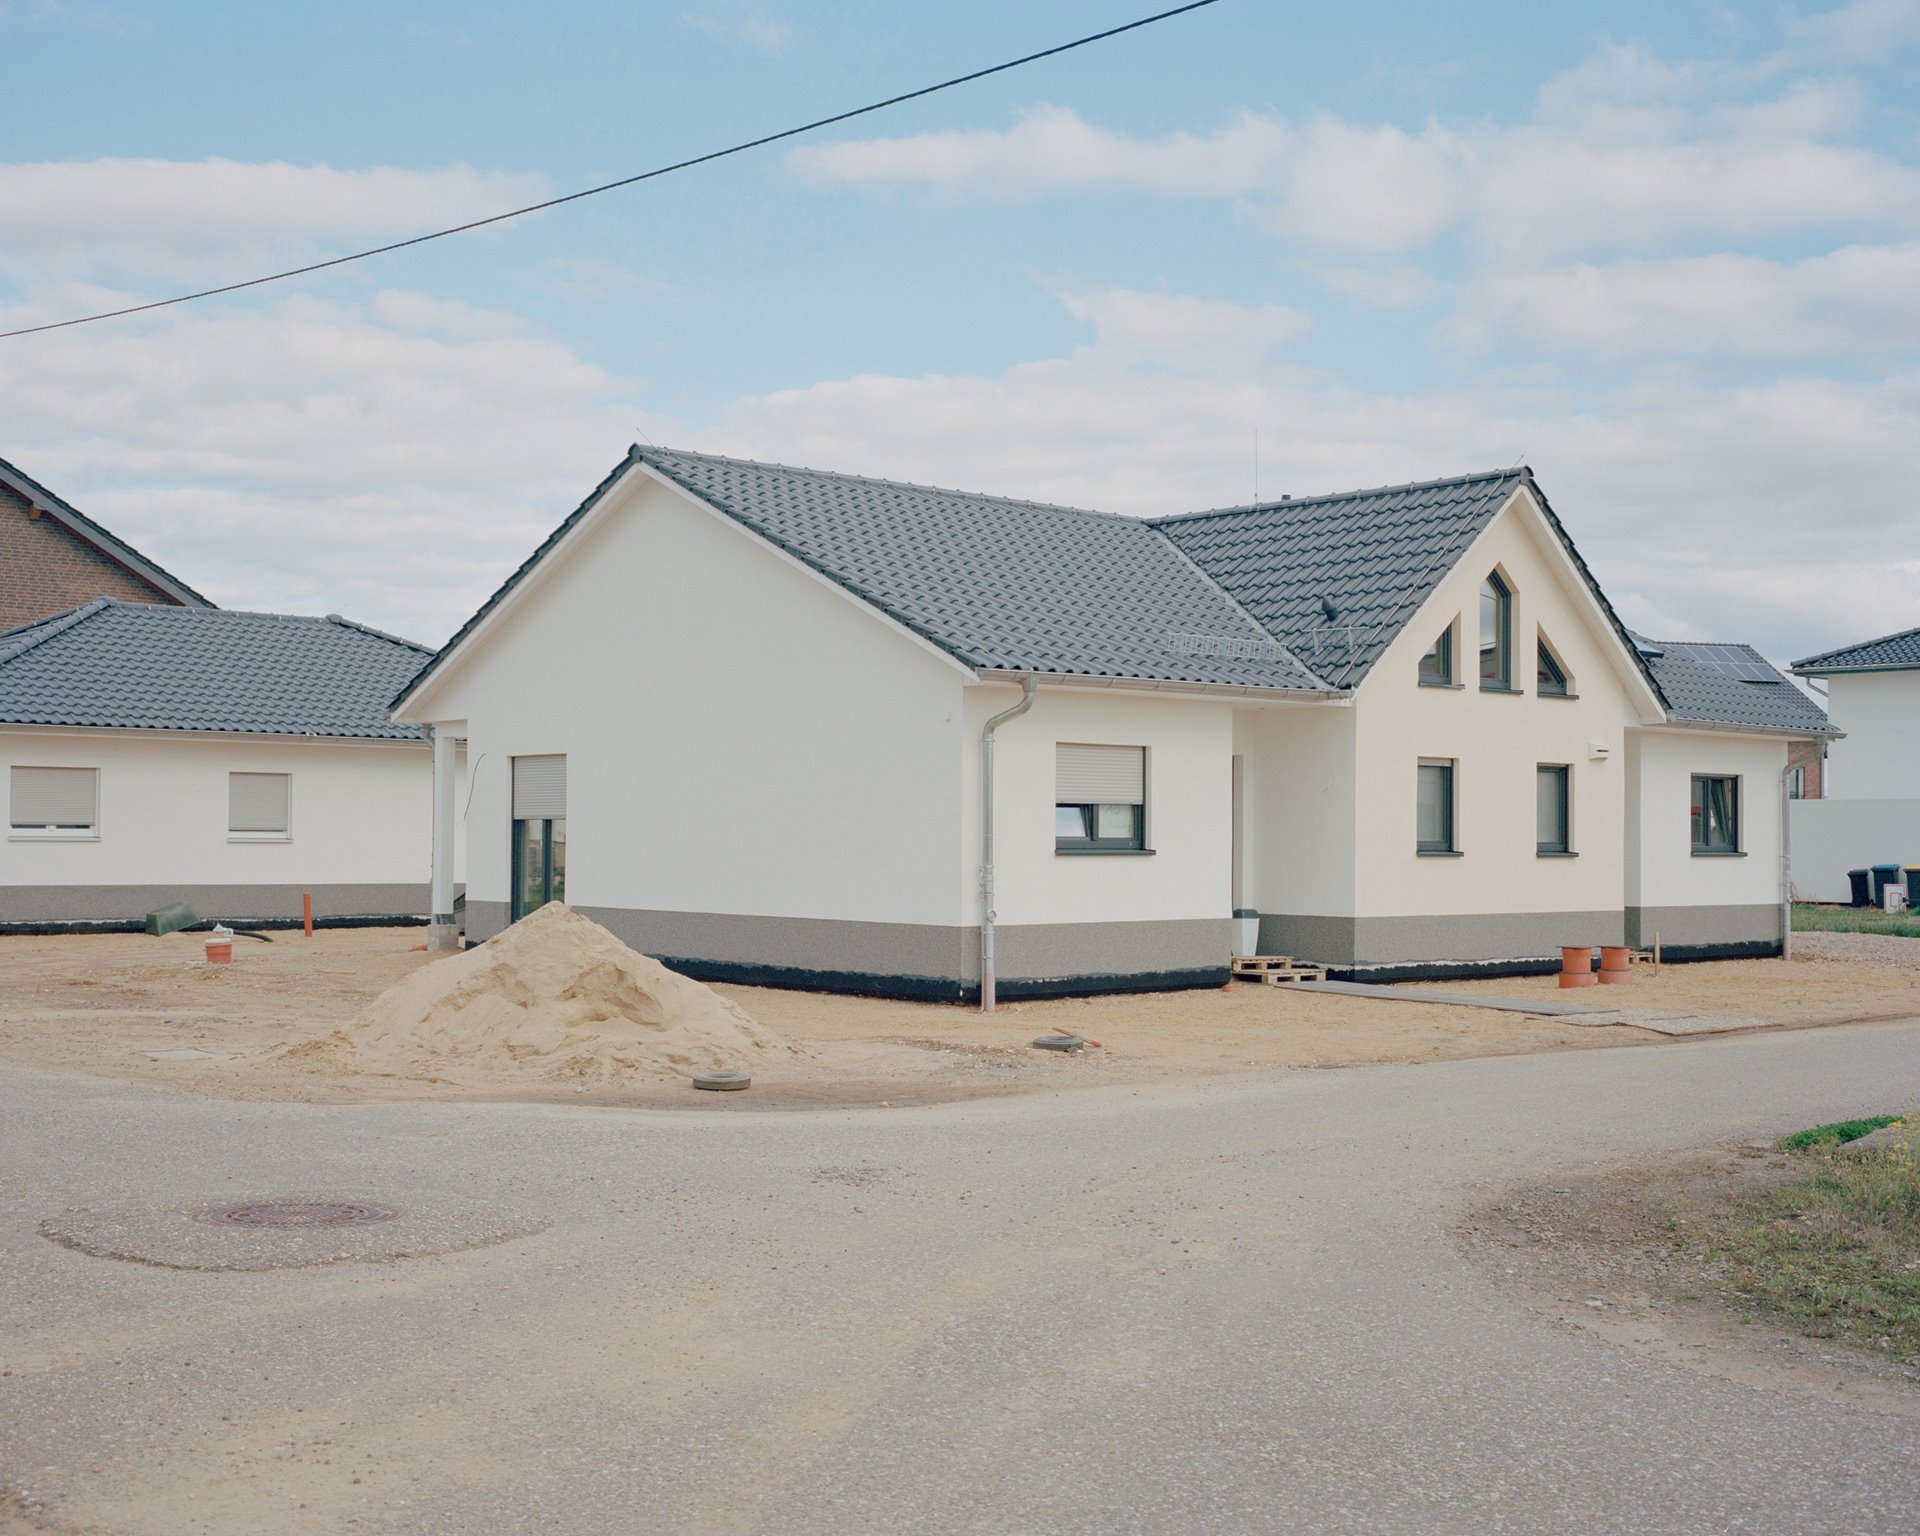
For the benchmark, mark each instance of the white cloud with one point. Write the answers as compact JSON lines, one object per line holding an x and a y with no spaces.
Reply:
{"x":1382,"y":287}
{"x":1052,"y":149}
{"x":1623,"y":154}
{"x":1182,"y":332}
{"x":739,"y":22}
{"x":190,"y":220}
{"x":1757,"y":513}
{"x":1861,"y":302}
{"x":573,"y":278}
{"x":391,"y":460}
{"x":1867,"y":31}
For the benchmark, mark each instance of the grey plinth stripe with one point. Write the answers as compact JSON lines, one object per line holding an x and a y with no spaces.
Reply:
{"x":1704,"y":925}
{"x":1046,"y":951}
{"x":824,"y":945}
{"x":1368,"y":941}
{"x":131,"y":903}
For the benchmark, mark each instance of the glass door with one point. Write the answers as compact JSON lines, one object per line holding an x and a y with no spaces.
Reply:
{"x":539,"y":863}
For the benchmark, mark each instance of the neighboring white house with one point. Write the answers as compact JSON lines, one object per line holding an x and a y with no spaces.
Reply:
{"x":1871,"y":810}
{"x":232,"y":761}
{"x":744,"y":715}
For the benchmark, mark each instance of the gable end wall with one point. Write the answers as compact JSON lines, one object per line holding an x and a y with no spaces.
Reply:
{"x":46,"y":568}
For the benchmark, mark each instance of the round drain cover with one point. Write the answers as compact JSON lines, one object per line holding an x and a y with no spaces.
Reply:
{"x":721,"y":1082}
{"x":298,"y":1215}
{"x":1059,"y":1042}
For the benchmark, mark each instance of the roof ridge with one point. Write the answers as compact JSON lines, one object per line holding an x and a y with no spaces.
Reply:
{"x":45,"y":629}
{"x":898,"y":485}
{"x":1858,"y":645}
{"x":174,"y":612}
{"x":1514,"y":472}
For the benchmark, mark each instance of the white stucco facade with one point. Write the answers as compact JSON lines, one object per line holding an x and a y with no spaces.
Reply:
{"x":358,"y":838}
{"x":1879,"y":757}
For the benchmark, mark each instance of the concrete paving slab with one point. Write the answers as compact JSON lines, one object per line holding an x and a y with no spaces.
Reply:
{"x":1400,"y":994}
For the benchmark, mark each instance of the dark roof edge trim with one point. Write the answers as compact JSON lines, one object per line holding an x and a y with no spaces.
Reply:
{"x":113,"y":547}
{"x":42,"y":630}
{"x":519,"y":574}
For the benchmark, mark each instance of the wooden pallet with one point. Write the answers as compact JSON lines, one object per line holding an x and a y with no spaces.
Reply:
{"x":1275,"y":970}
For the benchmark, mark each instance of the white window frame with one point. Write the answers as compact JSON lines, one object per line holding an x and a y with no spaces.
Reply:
{"x":90,"y":834}
{"x":259,"y":837}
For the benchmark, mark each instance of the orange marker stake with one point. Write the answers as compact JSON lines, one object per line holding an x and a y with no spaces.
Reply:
{"x":306,"y":911}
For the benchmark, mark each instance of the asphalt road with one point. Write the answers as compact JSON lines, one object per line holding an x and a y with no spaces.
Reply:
{"x":1228,"y":1306}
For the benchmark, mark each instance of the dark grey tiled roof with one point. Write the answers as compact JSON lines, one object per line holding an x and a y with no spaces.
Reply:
{"x":998,"y":583}
{"x":1890,"y":653}
{"x":1335,"y":577}
{"x":144,"y":666}
{"x":1700,"y":694}
{"x":114,"y":546}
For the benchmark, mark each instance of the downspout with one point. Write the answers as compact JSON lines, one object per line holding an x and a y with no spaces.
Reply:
{"x":986,"y":838}
{"x":1786,"y":864}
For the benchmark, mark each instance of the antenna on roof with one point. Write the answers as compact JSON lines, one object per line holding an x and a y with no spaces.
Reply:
{"x":1256,"y":466}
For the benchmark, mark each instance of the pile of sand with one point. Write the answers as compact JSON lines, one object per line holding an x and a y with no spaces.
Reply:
{"x":554,"y":996}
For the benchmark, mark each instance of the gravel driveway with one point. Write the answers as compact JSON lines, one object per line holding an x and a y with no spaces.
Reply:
{"x":1873,"y":948}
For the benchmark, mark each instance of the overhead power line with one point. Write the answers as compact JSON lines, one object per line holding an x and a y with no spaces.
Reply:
{"x":625,"y":181}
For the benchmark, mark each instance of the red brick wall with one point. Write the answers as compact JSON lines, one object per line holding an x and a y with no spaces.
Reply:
{"x":46,"y":568}
{"x":1810,"y":756}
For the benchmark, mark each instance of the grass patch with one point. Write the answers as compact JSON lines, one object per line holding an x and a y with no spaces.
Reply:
{"x":1834,"y":1251}
{"x":1839,"y":1131}
{"x":1816,"y":917}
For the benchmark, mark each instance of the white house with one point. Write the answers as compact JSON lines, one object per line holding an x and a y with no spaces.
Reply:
{"x":1871,"y":810}
{"x":781,"y":725}
{"x":232,"y":761}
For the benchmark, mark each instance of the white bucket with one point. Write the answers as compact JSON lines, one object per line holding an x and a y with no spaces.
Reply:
{"x":1246,"y":932}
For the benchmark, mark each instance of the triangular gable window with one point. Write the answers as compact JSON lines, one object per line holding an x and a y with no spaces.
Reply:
{"x":1552,"y":678}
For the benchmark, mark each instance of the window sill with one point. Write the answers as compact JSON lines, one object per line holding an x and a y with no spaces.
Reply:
{"x":1719,"y":853}
{"x":259,"y":837}
{"x":1570,"y":696}
{"x":1555,"y":853}
{"x":1104,"y":853}
{"x":1439,"y":853}
{"x":52,"y":837}
{"x":1451,"y":687}
{"x":1494,"y":688}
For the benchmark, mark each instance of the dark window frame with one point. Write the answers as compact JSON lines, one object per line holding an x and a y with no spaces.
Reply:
{"x":1549,"y":847}
{"x":1442,"y":652}
{"x":1501,"y":679}
{"x":1449,"y":842}
{"x":1134,"y":842}
{"x":1550,"y":678}
{"x":1700,"y":820}
{"x":516,"y":905}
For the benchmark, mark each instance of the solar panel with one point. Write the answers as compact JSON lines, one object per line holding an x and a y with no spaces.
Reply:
{"x":1730,"y":661}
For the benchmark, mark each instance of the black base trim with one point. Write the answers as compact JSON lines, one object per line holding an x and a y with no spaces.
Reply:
{"x":138,"y":925}
{"x":1744,"y":949}
{"x":938,"y":989}
{"x":1444,"y":970}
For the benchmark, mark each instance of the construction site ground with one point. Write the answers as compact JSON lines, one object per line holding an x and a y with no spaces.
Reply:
{"x":128,"y":1006}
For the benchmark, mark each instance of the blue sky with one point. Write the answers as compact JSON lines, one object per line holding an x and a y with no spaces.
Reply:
{"x":1669,"y":255}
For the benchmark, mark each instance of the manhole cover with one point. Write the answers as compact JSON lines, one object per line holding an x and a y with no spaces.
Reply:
{"x":299,"y":1215}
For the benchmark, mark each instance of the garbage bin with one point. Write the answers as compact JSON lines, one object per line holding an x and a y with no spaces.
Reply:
{"x":1862,"y":882}
{"x":1884,"y":875}
{"x":1913,"y":887}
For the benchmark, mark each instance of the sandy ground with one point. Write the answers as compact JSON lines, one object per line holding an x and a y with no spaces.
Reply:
{"x":1807,"y":990}
{"x":101,"y":1004}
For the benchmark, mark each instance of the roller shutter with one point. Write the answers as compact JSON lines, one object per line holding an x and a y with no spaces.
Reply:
{"x":1100,"y":775}
{"x":540,"y":787}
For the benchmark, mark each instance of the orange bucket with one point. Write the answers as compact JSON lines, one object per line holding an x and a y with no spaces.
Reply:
{"x":1578,"y":978}
{"x":219,"y":951}
{"x":1616,"y":964}
{"x":1576,"y":960}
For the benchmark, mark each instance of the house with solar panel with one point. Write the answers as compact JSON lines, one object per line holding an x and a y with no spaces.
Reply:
{"x":154,"y":754}
{"x":786,"y":726}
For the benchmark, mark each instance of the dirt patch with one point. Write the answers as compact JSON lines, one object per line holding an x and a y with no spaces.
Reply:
{"x":129,"y":1006}
{"x":1610,"y":1255}
{"x":1811,"y":990}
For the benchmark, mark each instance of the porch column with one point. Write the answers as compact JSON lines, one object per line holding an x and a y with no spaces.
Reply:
{"x":443,"y":932}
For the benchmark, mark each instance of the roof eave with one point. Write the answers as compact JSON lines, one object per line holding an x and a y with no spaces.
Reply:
{"x":1159,"y":684}
{"x":1782,"y":732}
{"x":1801,"y":669}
